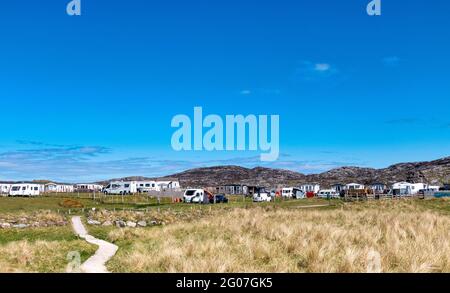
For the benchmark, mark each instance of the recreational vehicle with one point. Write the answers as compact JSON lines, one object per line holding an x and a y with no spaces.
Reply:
{"x":24,"y":189}
{"x":314,"y":188}
{"x":292,"y":192}
{"x":406,"y":188}
{"x":378,"y":187}
{"x":328,"y":194}
{"x":196,"y":196}
{"x":58,"y":188}
{"x":121,"y":187}
{"x":167,"y":185}
{"x":146,"y":186}
{"x":354,"y":186}
{"x":261,"y":195}
{"x":88,"y":187}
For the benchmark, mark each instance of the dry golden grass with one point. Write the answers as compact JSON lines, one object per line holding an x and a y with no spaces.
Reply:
{"x":406,"y":238}
{"x":40,"y":249}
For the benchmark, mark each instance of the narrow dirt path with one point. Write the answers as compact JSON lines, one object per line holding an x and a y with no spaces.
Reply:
{"x":106,"y":250}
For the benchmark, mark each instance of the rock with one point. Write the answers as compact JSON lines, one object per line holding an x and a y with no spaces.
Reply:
{"x":120,"y":224}
{"x":142,"y":224}
{"x":93,"y":222}
{"x":154,"y":223}
{"x":35,"y":224}
{"x":21,"y":226}
{"x":5,"y":225}
{"x":107,"y":224}
{"x":61,"y":223}
{"x":131,"y":224}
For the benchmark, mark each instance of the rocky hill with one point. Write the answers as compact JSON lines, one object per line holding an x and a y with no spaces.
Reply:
{"x":433,"y":172}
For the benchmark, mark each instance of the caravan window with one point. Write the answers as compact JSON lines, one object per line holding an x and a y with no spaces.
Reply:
{"x":36,"y":188}
{"x":127,"y":185}
{"x":153,"y":185}
{"x":16,"y":188}
{"x":147,"y":185}
{"x":24,"y":188}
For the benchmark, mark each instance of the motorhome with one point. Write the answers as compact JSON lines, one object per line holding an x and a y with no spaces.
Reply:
{"x":261,"y":195}
{"x":24,"y":189}
{"x":328,"y":194}
{"x":121,"y":187}
{"x":292,"y":192}
{"x":197,"y":196}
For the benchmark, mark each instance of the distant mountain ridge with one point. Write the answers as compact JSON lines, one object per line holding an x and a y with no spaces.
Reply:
{"x":432,"y":172}
{"x":435,"y":172}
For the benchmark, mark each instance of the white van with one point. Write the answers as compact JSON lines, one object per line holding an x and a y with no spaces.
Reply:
{"x":196,"y":196}
{"x":121,"y":187}
{"x":292,"y":192}
{"x":24,"y":190}
{"x":328,"y":193}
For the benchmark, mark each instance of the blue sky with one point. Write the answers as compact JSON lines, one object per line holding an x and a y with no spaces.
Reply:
{"x":92,"y":97}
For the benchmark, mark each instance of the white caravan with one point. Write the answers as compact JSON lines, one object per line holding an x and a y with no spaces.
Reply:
{"x":354,"y":186}
{"x":405,"y":188}
{"x":196,"y":196}
{"x":310,"y":188}
{"x":121,"y":187}
{"x":292,"y":192}
{"x":146,"y":186}
{"x":328,"y":194}
{"x":261,"y":195}
{"x":24,"y":190}
{"x":167,"y":185}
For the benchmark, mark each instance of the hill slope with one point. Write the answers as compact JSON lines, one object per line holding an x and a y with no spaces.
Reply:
{"x":433,"y":172}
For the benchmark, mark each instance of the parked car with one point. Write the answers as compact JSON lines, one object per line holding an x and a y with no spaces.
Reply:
{"x":219,"y":198}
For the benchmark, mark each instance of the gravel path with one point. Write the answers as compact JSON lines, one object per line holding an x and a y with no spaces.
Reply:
{"x":106,"y":250}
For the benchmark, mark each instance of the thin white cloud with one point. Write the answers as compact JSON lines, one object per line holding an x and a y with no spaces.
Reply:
{"x":391,"y":61}
{"x":322,"y":67}
{"x":314,"y":71}
{"x":246,"y":92}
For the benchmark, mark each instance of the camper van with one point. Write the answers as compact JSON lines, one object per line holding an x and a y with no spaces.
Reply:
{"x":121,"y":187}
{"x":328,"y":194}
{"x":261,"y":195}
{"x":292,"y":192}
{"x":24,"y":190}
{"x":196,"y":196}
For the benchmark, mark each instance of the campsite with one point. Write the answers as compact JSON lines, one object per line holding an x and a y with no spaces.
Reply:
{"x":285,"y":234}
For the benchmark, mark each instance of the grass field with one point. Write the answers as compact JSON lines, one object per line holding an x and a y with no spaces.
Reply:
{"x":286,"y":236}
{"x":40,"y":249}
{"x":53,"y":203}
{"x":390,"y":236}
